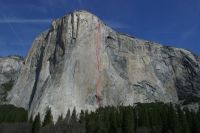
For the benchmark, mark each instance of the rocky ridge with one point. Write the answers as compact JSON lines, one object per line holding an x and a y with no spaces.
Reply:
{"x":9,"y":70}
{"x":80,"y":54}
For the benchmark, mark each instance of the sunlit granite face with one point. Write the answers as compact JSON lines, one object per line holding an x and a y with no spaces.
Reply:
{"x":61,"y":70}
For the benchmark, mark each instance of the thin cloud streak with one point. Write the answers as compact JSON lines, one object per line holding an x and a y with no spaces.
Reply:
{"x":5,"y":21}
{"x":117,"y":25}
{"x":186,"y":35}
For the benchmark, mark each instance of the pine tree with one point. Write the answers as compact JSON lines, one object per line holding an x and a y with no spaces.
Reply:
{"x":188,"y":115}
{"x":143,"y":117}
{"x":73,"y":118}
{"x":128,"y":121}
{"x":195,"y":123}
{"x":87,"y":121}
{"x":184,"y":127}
{"x":163,"y":112}
{"x":82,"y":117}
{"x":113,"y":121}
{"x":48,"y":119}
{"x":67,"y":117}
{"x":36,"y":124}
{"x":173,"y":120}
{"x":31,"y":119}
{"x":60,"y":118}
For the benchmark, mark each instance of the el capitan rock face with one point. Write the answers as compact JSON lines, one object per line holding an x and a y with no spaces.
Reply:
{"x":80,"y":54}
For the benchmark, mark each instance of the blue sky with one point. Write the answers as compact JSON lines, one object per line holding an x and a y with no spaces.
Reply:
{"x":169,"y":22}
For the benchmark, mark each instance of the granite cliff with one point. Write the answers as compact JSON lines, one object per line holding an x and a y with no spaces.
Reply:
{"x":80,"y":62}
{"x":9,"y":70}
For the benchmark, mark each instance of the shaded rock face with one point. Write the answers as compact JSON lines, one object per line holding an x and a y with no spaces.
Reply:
{"x":80,"y":54}
{"x":9,"y":71}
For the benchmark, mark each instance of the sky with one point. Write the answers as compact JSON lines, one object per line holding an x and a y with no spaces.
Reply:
{"x":169,"y":22}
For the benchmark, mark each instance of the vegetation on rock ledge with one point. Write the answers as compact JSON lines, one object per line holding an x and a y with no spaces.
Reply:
{"x":5,"y":88}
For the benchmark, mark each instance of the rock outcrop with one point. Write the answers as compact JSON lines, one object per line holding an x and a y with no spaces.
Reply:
{"x":80,"y":62}
{"x":9,"y":70}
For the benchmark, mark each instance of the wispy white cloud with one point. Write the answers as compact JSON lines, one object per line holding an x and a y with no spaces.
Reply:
{"x":2,"y":21}
{"x":188,"y":33}
{"x":117,"y":25}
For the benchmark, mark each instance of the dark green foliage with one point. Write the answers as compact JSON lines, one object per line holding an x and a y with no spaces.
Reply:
{"x":60,"y":118}
{"x":73,"y":118}
{"x":36,"y":124}
{"x":15,"y":128}
{"x":183,"y":123}
{"x":128,"y":120}
{"x":31,"y":119}
{"x":82,"y":117}
{"x":142,"y":118}
{"x":149,"y":118}
{"x":191,"y":99}
{"x":10,"y":114}
{"x":6,"y":87}
{"x":48,"y":119}
{"x":64,"y":127}
{"x":194,"y":121}
{"x":67,"y":117}
{"x":13,"y":120}
{"x":69,"y":124}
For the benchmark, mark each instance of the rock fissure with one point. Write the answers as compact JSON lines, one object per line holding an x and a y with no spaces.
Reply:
{"x":37,"y":74}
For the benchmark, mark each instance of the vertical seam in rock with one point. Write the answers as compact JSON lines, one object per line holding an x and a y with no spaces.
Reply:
{"x":72,"y":23}
{"x":37,"y":74}
{"x":97,"y":63}
{"x":77,"y":26}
